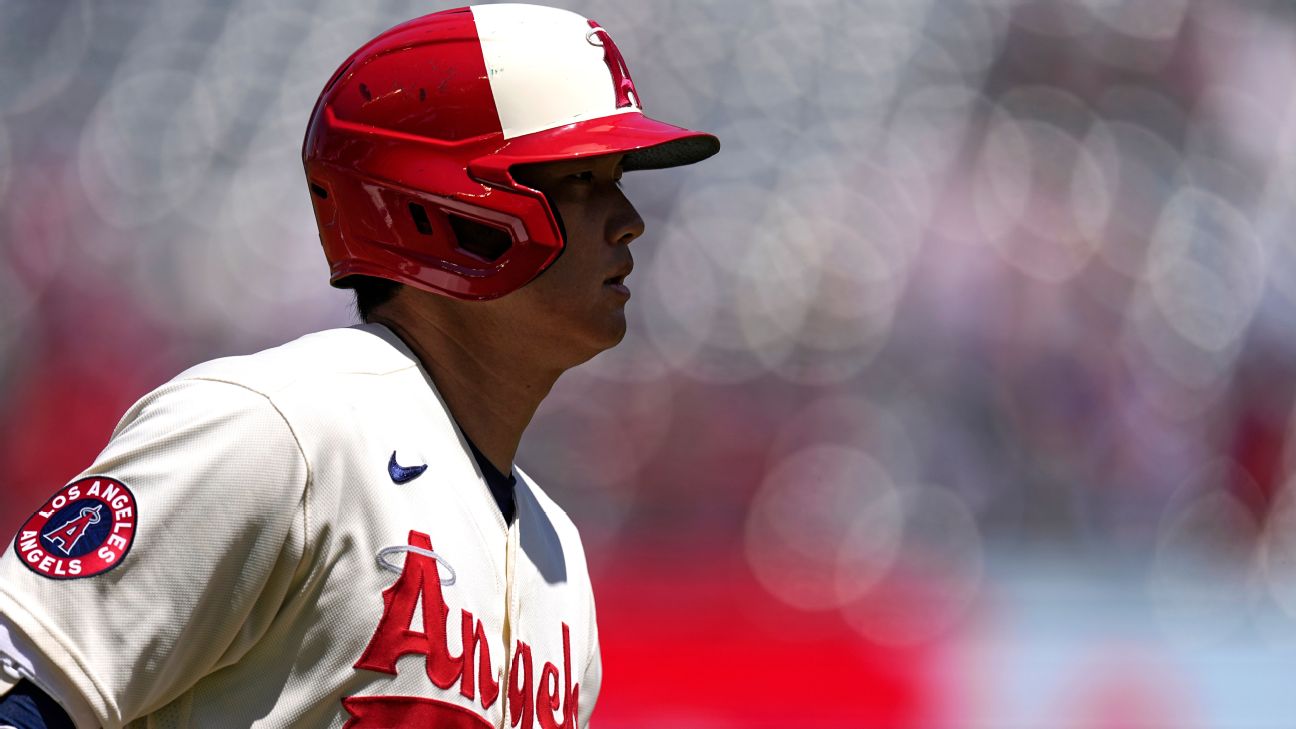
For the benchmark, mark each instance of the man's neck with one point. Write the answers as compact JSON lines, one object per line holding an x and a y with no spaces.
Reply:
{"x":492,"y":390}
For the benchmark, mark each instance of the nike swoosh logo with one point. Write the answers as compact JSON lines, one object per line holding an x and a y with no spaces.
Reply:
{"x":403,"y":474}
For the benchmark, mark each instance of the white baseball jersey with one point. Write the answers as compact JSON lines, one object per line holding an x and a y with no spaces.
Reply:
{"x":301,"y":538}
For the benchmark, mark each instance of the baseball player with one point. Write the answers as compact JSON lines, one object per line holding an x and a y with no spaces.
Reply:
{"x":332,"y":533}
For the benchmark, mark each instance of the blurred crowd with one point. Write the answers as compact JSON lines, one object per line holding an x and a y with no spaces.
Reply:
{"x":980,"y":328}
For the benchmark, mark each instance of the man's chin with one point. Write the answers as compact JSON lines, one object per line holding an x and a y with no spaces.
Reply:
{"x":608,"y":337}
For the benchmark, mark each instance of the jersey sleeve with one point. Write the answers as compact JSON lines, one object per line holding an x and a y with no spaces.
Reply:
{"x":169,"y":557}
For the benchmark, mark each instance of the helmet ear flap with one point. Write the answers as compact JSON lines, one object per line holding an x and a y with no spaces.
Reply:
{"x":497,"y":172}
{"x":479,"y":243}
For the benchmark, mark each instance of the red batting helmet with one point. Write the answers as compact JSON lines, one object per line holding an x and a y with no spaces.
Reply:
{"x":409,"y":148}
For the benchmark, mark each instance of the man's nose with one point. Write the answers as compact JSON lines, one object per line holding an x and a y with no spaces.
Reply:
{"x":626,"y":225}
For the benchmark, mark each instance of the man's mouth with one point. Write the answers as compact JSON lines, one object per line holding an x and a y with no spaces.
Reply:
{"x":617,"y":281}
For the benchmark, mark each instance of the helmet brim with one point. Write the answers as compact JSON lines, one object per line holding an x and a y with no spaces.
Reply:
{"x":646,"y":143}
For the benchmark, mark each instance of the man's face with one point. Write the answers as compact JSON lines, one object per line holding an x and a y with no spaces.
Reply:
{"x":577,"y":306}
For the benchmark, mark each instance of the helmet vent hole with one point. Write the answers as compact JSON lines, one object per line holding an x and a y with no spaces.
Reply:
{"x":319,"y":191}
{"x":483,"y":241}
{"x":420,"y":219}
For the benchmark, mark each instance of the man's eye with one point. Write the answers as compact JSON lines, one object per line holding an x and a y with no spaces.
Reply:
{"x":586,"y":176}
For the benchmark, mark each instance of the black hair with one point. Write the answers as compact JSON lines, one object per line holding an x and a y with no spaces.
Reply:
{"x":370,"y":293}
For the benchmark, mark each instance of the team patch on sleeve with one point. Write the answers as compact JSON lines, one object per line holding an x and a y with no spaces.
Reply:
{"x":83,"y":530}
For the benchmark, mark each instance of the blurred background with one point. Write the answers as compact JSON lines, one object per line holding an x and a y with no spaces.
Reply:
{"x":958,"y":386}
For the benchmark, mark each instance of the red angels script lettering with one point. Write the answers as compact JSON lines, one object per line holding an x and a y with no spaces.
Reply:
{"x":521,"y":709}
{"x":398,"y":712}
{"x":473,"y":637}
{"x":394,"y":638}
{"x":529,"y":701}
{"x":626,"y":95}
{"x":545,"y":696}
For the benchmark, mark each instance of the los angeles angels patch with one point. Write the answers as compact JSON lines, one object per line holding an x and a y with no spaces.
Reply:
{"x":83,"y":530}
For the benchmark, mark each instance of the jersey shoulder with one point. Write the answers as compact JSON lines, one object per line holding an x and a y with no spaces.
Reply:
{"x":314,"y":359}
